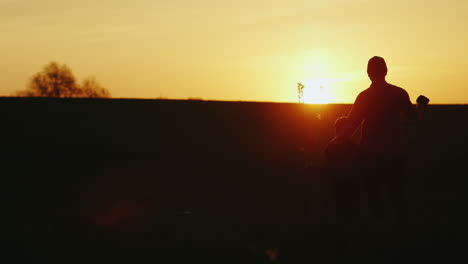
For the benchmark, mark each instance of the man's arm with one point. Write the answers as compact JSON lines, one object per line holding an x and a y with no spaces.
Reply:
{"x":409,"y":110}
{"x":355,"y":116}
{"x":422,"y":102}
{"x":415,"y":129}
{"x":407,"y":107}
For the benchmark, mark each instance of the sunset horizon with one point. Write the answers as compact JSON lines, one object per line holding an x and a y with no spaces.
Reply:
{"x":247,"y":51}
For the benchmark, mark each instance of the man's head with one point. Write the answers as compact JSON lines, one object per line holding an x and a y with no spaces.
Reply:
{"x":377,"y":69}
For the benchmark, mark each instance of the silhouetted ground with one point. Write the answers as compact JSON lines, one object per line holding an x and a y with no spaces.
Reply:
{"x":141,"y":181}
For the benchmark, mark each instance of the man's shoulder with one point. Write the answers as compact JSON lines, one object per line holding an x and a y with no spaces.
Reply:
{"x":397,"y":89}
{"x":364,"y":93}
{"x":372,"y":94}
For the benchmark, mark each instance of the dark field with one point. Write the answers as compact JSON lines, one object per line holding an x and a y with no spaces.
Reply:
{"x":149,"y":181}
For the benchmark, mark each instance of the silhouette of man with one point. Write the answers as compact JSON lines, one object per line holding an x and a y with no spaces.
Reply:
{"x":378,"y":109}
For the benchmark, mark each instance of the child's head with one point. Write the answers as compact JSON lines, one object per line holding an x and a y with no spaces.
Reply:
{"x":340,"y":125}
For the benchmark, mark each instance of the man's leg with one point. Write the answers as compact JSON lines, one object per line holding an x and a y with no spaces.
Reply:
{"x":396,"y":187}
{"x":373,"y":191}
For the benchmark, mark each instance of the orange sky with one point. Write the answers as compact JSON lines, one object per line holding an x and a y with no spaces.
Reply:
{"x":250,"y":50}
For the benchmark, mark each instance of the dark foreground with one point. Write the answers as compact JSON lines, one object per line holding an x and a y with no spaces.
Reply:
{"x":141,"y":181}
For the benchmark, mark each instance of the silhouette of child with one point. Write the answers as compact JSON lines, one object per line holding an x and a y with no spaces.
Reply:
{"x":342,"y":157}
{"x":341,"y":153}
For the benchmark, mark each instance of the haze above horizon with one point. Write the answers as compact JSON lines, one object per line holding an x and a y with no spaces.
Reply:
{"x":251,"y":50}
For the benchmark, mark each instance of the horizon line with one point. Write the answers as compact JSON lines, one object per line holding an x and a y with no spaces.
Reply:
{"x":192,"y":99}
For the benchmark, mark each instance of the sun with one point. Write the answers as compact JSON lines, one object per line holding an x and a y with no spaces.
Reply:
{"x":317,"y":92}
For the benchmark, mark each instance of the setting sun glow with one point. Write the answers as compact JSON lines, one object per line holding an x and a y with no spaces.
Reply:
{"x":317,"y":92}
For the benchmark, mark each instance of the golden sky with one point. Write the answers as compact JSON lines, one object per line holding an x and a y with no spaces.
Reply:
{"x":249,"y":50}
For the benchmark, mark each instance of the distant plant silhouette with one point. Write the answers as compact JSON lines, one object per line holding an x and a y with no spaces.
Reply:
{"x":300,"y":92}
{"x":57,"y":80}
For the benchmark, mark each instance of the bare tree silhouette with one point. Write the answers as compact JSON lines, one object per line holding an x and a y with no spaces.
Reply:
{"x":57,"y":80}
